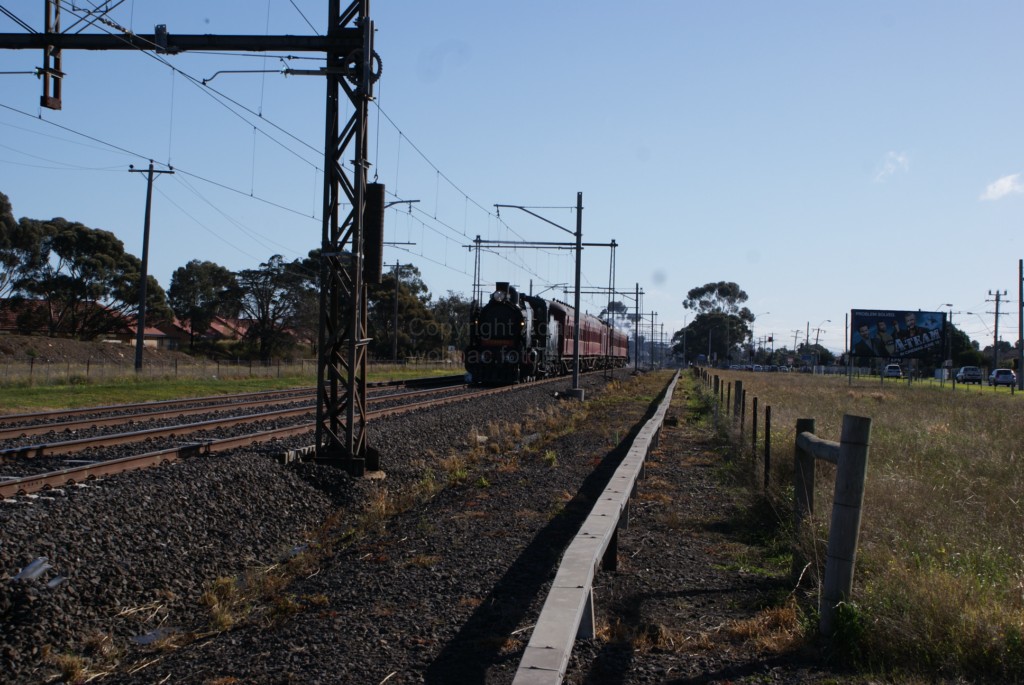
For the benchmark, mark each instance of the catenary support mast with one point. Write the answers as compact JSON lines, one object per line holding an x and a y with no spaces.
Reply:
{"x":352,"y":68}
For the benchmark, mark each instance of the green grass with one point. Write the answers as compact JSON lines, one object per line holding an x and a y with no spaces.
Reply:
{"x":23,"y":398}
{"x":939,"y":584}
{"x":40,"y":398}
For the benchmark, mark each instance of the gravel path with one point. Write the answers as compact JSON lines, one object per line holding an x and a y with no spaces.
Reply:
{"x":217,"y":571}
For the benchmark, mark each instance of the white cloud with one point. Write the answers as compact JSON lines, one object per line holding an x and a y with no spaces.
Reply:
{"x":1007,"y":185}
{"x":892,"y":163}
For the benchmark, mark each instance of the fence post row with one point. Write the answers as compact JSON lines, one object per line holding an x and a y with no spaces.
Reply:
{"x":850,"y":455}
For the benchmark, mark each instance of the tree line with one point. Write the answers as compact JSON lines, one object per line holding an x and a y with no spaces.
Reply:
{"x":67,"y":279}
{"x":721,"y":332}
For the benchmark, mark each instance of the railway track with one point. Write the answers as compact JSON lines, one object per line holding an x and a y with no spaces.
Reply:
{"x":42,"y":466}
{"x":17,"y":425}
{"x":445,"y":589}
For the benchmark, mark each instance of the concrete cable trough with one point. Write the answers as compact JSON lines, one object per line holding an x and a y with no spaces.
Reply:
{"x":568,"y":611}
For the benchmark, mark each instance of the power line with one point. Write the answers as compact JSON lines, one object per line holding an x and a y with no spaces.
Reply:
{"x":237,"y":108}
{"x":138,"y":155}
{"x":77,"y":133}
{"x":205,"y":88}
{"x":13,"y":17}
{"x":304,"y":17}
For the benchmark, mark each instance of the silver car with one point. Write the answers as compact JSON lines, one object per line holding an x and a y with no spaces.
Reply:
{"x":969,"y":374}
{"x":1002,"y":377}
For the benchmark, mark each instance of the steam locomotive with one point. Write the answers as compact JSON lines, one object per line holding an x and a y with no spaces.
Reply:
{"x":516,"y":338}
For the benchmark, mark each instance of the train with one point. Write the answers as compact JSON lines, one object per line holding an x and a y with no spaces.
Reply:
{"x":515,"y":338}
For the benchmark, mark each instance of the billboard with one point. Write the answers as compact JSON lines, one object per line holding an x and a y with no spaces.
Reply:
{"x":896,"y":334}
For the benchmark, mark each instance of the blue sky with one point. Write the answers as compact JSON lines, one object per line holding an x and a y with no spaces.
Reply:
{"x":826,"y":156}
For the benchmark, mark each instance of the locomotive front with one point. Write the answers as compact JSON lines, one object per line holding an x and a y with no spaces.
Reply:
{"x":499,"y":338}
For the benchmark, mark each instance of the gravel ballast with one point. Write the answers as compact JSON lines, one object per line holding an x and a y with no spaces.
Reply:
{"x":157,"y":565}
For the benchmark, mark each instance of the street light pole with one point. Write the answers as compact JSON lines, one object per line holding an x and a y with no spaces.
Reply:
{"x":995,"y":335}
{"x":949,"y":340}
{"x":818,"y":330}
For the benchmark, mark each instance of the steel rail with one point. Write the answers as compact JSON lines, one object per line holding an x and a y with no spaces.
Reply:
{"x":72,"y":446}
{"x":165,"y":406}
{"x":78,"y":474}
{"x":80,"y":424}
{"x":142,"y":406}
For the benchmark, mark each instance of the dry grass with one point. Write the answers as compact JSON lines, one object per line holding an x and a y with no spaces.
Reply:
{"x":72,"y":668}
{"x":940,"y":570}
{"x":470,"y":602}
{"x":774,"y":630}
{"x":643,"y":638}
{"x":655,"y":489}
{"x":425,"y":560}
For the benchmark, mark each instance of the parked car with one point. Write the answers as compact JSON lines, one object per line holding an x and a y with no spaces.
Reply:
{"x":1002,"y":377}
{"x":892,"y":371}
{"x":969,"y":374}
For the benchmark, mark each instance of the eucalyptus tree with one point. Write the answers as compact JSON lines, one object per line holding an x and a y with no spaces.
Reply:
{"x":200,"y":292}
{"x":721,"y":323}
{"x":273,"y":298}
{"x":84,"y":279}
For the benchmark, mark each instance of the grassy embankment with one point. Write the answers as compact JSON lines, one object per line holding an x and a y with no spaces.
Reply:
{"x":939,"y":585}
{"x":23,"y":397}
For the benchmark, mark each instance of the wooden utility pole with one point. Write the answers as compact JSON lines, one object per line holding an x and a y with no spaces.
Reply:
{"x":140,"y":319}
{"x":352,"y":68}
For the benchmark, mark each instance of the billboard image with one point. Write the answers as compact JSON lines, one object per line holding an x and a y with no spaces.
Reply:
{"x":896,"y":334}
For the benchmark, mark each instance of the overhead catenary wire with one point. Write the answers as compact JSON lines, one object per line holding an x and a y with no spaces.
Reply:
{"x":253,"y":117}
{"x":197,"y":82}
{"x":13,"y":17}
{"x":203,"y":226}
{"x":308,"y":23}
{"x":138,"y":155}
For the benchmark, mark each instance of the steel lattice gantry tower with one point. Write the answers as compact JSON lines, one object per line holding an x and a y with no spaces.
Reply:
{"x":350,"y":69}
{"x":342,"y":350}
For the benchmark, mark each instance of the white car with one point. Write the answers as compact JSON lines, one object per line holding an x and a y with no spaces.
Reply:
{"x":892,"y":371}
